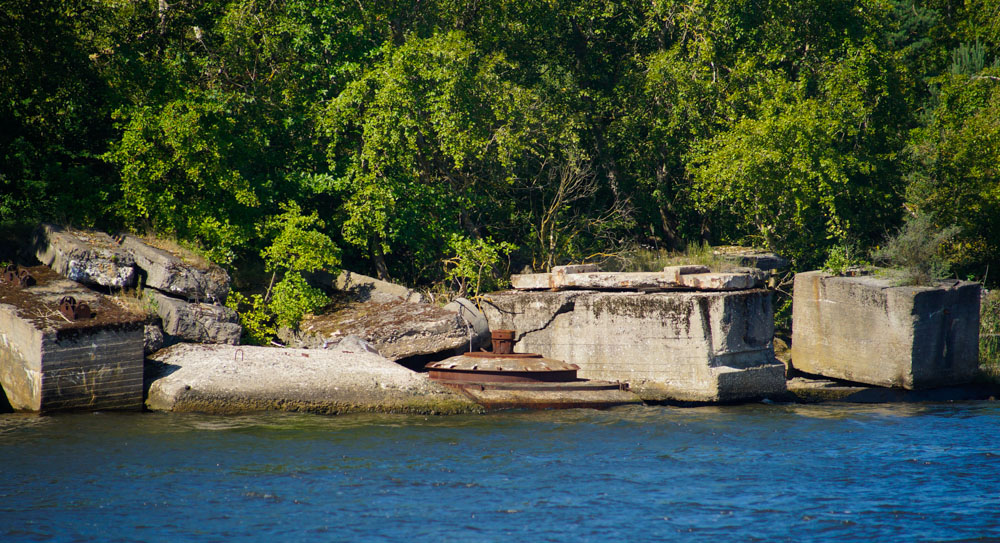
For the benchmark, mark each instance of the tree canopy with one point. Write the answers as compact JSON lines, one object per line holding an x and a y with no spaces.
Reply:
{"x":422,"y":140}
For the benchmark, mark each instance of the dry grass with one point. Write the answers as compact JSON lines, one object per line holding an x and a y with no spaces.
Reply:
{"x":184,"y":252}
{"x":646,"y":260}
{"x":133,"y":301}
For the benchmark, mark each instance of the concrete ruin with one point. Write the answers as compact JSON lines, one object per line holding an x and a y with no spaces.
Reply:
{"x":672,"y":344}
{"x":89,"y":257}
{"x":51,"y":363}
{"x":865,"y":330}
{"x":177,"y":282}
{"x":222,"y":379}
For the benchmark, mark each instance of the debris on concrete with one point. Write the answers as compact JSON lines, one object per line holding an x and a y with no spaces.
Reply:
{"x":671,"y":278}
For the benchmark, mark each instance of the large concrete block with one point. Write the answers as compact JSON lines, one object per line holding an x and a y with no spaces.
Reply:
{"x":195,"y":322}
{"x":48,"y":363}
{"x":84,"y":256}
{"x":398,"y":329}
{"x":863,"y":329}
{"x":178,"y":272}
{"x":686,"y":346}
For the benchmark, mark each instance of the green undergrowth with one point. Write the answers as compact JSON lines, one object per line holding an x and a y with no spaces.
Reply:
{"x":989,"y":336}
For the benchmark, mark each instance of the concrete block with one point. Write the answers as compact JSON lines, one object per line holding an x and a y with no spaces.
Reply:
{"x":576,"y":268}
{"x":673,"y":277}
{"x":399,"y":330}
{"x":865,"y":330}
{"x":224,"y":379}
{"x":93,"y":258}
{"x":195,"y":322}
{"x":48,"y":363}
{"x":684,"y":346}
{"x":178,"y":273}
{"x":748,"y":256}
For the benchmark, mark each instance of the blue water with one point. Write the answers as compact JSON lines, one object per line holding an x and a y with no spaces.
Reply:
{"x":747,"y":473}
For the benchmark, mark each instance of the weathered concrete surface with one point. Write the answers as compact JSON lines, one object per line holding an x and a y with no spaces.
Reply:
{"x":684,"y":346}
{"x":87,"y":257}
{"x":178,"y":273}
{"x":365,"y":289}
{"x":397,"y":329}
{"x":226,"y":379}
{"x":195,"y":322}
{"x":862,"y":329}
{"x":673,"y":277}
{"x":48,"y":363}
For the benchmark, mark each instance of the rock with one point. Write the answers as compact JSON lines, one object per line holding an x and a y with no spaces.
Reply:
{"x":354,"y":344}
{"x":473,"y":318}
{"x":223,"y":379}
{"x":178,"y":272}
{"x":195,"y":322}
{"x":397,"y":329}
{"x":677,"y":346}
{"x":865,"y":330}
{"x":365,"y":289}
{"x":152,"y":338}
{"x":93,"y":258}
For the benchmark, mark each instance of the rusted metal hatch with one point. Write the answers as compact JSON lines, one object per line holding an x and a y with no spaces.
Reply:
{"x":502,"y":365}
{"x":504,"y":379}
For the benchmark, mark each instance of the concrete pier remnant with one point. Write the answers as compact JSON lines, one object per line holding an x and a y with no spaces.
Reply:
{"x":686,"y":346}
{"x":224,"y":379}
{"x":51,"y":363}
{"x":865,"y":330}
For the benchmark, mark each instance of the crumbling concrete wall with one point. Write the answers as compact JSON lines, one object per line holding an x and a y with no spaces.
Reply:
{"x":863,"y":329}
{"x":686,"y":346}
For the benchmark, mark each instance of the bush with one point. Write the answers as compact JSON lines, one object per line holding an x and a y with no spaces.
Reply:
{"x":916,"y":253}
{"x":293,"y":298}
{"x":843,"y":257}
{"x":475,"y":266}
{"x":989,"y":332}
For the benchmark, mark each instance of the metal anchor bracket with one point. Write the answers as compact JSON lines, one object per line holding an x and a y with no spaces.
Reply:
{"x":18,"y":276}
{"x":72,"y":310}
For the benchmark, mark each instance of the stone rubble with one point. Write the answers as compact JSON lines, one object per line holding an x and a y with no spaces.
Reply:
{"x":173,"y":282}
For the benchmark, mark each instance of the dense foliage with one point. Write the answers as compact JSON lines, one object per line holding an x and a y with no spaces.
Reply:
{"x":437,"y":141}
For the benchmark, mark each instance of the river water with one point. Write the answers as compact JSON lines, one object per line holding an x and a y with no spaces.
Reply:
{"x":764,"y":472}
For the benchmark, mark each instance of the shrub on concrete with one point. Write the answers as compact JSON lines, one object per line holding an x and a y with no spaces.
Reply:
{"x":915,"y":254}
{"x":989,"y":333}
